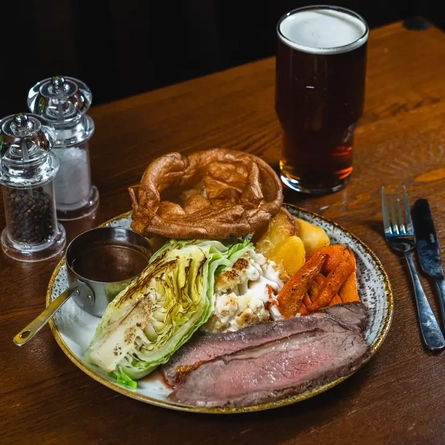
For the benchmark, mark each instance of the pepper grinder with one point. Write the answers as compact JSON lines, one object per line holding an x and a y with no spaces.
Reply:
{"x":27,"y":172}
{"x":63,"y":102}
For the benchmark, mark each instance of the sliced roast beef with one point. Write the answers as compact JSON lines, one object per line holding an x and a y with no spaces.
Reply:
{"x":281,"y":365}
{"x":205,"y":347}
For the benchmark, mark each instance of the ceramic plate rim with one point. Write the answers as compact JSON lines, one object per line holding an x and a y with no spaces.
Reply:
{"x":383,"y":331}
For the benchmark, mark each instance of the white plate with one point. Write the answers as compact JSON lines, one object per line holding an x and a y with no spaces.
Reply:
{"x":73,"y":328}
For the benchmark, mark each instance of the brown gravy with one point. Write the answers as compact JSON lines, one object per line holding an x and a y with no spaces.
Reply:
{"x":109,"y":263}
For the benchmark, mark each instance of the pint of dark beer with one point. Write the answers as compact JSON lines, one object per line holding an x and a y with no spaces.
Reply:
{"x":320,"y":90}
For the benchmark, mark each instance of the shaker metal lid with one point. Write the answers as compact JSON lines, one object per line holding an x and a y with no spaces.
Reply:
{"x":59,"y":99}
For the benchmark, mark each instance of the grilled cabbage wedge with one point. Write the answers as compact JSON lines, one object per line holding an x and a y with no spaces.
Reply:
{"x":161,"y":308}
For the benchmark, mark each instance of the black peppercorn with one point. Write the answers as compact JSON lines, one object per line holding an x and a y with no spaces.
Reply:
{"x":31,"y":215}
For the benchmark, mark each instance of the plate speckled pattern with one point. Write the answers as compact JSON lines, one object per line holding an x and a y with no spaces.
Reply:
{"x":73,"y":328}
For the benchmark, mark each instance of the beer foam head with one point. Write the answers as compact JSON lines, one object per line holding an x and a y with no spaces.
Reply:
{"x":323,"y":30}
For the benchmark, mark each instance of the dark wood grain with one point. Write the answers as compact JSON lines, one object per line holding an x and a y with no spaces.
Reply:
{"x":397,"y":398}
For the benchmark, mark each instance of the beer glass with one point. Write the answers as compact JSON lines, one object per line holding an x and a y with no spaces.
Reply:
{"x":319,"y":96}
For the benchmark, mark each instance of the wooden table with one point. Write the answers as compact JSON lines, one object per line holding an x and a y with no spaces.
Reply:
{"x":396,"y":398}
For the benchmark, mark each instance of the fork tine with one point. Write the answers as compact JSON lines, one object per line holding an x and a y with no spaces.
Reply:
{"x":394,"y":225}
{"x":401,"y":220}
{"x":396,"y":211}
{"x":409,"y":221}
{"x":386,"y":223}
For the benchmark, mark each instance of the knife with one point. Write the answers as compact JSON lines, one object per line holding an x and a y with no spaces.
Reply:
{"x":428,"y":248}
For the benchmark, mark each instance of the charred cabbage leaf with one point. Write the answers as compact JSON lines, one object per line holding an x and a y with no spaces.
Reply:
{"x":161,"y":309}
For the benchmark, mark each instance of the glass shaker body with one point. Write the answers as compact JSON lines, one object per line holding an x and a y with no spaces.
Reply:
{"x":76,"y":197}
{"x":63,"y":102}
{"x":27,"y":171}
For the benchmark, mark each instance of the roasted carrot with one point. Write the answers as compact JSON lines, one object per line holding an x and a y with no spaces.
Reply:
{"x":303,"y":309}
{"x":291,"y":295}
{"x":306,"y":301}
{"x":336,"y":300}
{"x":316,"y":286}
{"x":313,"y":291}
{"x":334,"y":282}
{"x":349,"y":291}
{"x":336,"y":254}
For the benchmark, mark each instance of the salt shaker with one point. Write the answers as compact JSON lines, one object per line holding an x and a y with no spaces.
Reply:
{"x":27,"y":172}
{"x":63,"y":102}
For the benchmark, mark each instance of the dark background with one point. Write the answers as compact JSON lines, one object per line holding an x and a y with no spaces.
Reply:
{"x":124,"y":47}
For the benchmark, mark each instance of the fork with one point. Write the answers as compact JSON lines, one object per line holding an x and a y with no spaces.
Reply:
{"x":399,"y":234}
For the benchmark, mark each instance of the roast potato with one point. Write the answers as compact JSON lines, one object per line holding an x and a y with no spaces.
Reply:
{"x":279,"y":228}
{"x":313,"y":236}
{"x":289,"y":255}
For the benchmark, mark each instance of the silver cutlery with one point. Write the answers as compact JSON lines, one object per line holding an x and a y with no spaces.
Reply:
{"x":428,"y":248}
{"x":399,"y":234}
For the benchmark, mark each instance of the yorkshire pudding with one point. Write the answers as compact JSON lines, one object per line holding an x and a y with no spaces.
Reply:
{"x":211,"y":194}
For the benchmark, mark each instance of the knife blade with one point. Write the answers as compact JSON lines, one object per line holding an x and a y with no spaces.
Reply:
{"x":428,"y":248}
